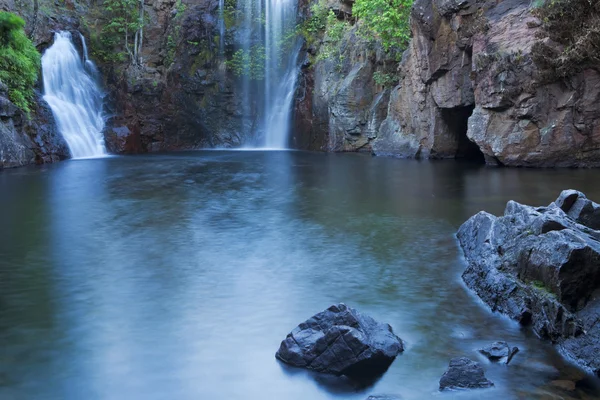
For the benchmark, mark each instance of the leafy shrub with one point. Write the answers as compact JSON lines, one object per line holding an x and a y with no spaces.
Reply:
{"x":384,"y":79}
{"x":388,"y":20}
{"x":573,"y":29}
{"x":331,"y":48}
{"x":19,"y":61}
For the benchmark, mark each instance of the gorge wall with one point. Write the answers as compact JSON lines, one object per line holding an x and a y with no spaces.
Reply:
{"x":466,"y":86}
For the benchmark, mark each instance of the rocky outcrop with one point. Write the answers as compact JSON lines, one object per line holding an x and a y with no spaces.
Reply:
{"x":28,"y":139}
{"x":468,"y":86}
{"x":540,"y":266}
{"x":463,"y":373}
{"x":341,"y":341}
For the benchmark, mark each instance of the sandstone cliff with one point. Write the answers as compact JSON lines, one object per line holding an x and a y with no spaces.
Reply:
{"x":467,"y":88}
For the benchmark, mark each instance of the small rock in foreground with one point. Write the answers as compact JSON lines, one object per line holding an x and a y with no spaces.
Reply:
{"x":341,"y":341}
{"x":463,"y":373}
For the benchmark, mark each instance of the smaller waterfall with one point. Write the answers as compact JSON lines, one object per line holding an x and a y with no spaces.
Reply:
{"x":73,"y":94}
{"x":89,"y":64}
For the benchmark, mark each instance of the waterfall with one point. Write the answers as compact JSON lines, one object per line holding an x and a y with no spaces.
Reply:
{"x":74,"y":96}
{"x":269,"y":50}
{"x":281,"y":71}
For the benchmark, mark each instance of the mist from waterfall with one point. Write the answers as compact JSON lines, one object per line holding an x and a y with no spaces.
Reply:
{"x":281,"y":71}
{"x":72,"y":91}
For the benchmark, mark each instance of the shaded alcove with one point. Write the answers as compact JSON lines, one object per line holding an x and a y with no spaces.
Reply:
{"x":457,"y":121}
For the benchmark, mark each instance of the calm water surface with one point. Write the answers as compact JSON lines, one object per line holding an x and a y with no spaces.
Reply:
{"x":176,"y":277}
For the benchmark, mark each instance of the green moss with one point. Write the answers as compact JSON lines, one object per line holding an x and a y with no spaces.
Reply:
{"x":541,"y":287}
{"x":19,"y":61}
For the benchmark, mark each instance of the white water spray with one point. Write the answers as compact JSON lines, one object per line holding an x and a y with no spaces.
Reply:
{"x":72,"y":92}
{"x":281,"y":71}
{"x":268,"y":47}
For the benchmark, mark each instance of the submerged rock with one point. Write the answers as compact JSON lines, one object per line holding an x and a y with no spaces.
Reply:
{"x":496,"y":351}
{"x":341,"y":341}
{"x":541,"y":267}
{"x":463,"y":373}
{"x":499,"y":350}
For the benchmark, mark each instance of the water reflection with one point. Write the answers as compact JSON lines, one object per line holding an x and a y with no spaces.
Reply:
{"x":177,"y":276}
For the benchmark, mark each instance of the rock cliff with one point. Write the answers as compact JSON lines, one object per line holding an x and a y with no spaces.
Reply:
{"x":467,"y":88}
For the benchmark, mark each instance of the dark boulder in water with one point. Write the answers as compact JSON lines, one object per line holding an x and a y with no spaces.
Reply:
{"x":541,"y":267}
{"x":463,"y":373}
{"x":341,"y":341}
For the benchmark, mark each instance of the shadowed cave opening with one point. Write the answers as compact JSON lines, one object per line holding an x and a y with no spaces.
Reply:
{"x":457,"y":120}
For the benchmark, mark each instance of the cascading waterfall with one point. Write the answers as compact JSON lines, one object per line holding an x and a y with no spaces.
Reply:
{"x":281,"y":71}
{"x":270,"y":54}
{"x":74,"y":96}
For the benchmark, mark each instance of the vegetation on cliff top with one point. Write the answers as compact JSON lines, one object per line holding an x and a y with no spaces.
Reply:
{"x":386,"y":20}
{"x":19,"y":61}
{"x":383,"y":21}
{"x":570,"y":37}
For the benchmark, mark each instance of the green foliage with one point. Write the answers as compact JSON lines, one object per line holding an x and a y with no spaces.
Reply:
{"x":121,"y":36}
{"x":249,"y":62}
{"x":19,"y":61}
{"x":315,"y":25}
{"x":387,"y":20}
{"x":575,"y":26}
{"x":175,"y":34}
{"x":384,"y":79}
{"x":331,"y":48}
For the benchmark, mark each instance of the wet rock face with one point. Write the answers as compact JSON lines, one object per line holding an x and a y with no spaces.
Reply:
{"x":540,"y":266}
{"x":341,"y":341}
{"x":30,"y":140}
{"x":463,"y":373}
{"x":339,"y":106}
{"x":183,"y":97}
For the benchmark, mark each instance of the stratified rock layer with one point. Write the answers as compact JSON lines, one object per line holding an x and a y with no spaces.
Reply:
{"x":541,"y":266}
{"x":341,"y":341}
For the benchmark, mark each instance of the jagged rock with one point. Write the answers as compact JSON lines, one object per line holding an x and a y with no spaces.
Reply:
{"x":540,"y":266}
{"x":341,"y":341}
{"x":463,"y":373}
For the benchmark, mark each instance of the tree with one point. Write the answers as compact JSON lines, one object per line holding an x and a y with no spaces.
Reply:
{"x":125,"y":27}
{"x":19,"y":61}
